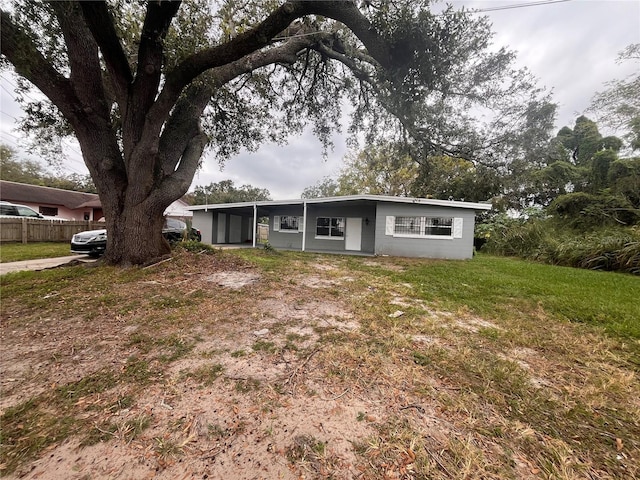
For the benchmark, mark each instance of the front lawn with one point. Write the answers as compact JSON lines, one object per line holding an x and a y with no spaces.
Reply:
{"x":284,"y":364}
{"x":15,"y":252}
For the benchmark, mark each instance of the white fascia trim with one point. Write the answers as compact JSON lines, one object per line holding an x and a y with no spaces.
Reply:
{"x":220,"y":206}
{"x":347,"y":198}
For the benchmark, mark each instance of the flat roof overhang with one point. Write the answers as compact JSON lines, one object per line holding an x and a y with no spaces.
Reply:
{"x":347,"y":199}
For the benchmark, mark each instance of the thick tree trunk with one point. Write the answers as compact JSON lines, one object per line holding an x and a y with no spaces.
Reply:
{"x":134,"y":234}
{"x":149,"y":158}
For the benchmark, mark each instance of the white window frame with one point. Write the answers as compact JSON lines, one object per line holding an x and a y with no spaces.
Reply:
{"x":422,"y":223}
{"x":331,"y":237}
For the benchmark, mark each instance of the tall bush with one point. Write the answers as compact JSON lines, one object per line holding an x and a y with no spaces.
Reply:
{"x":546,"y":240}
{"x":585,"y":211}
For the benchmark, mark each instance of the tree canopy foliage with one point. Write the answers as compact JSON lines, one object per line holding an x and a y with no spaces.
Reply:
{"x":226,"y":192}
{"x":28,"y":171}
{"x":146,"y":87}
{"x":387,"y":169}
{"x":578,"y":165}
{"x":618,"y":107}
{"x":591,"y":200}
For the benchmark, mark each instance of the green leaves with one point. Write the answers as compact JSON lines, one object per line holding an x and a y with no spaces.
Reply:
{"x":226,"y":192}
{"x":619,"y":105}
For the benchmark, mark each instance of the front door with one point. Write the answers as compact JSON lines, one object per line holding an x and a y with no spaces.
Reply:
{"x":353,"y":238}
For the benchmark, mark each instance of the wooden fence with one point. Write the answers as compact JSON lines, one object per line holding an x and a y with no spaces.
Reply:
{"x":27,"y":230}
{"x":263,"y":233}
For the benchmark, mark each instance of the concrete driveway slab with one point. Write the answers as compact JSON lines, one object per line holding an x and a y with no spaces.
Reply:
{"x":41,"y":263}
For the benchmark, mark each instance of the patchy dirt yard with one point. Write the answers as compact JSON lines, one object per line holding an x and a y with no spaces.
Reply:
{"x":284,"y":366}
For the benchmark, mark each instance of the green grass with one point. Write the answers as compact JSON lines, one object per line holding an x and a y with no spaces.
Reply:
{"x":503,"y":287}
{"x":15,"y":252}
{"x":548,"y":371}
{"x":206,"y":374}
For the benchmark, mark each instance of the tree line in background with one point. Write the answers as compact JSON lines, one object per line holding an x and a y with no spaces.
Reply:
{"x":146,"y":87}
{"x":226,"y":192}
{"x":572,"y":198}
{"x":14,"y":169}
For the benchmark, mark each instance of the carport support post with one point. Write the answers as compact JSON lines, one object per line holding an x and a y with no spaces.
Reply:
{"x":304,"y":224}
{"x":255,"y":224}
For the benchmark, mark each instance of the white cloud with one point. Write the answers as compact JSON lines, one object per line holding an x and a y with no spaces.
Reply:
{"x":284,"y":170}
{"x":570,"y":46}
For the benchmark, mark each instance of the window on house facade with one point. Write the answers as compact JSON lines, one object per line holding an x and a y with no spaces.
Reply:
{"x":50,"y":211}
{"x":288,"y":222}
{"x":424,"y":226}
{"x":330,"y":227}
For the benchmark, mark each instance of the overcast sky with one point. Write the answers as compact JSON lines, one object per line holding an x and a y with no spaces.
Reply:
{"x":570,"y":46}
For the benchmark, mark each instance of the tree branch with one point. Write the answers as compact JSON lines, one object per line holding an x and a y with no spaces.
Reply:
{"x":356,"y":69}
{"x":147,"y":79}
{"x":150,"y":52}
{"x":101,"y":24}
{"x":21,"y":51}
{"x":82,"y":51}
{"x":177,"y":184}
{"x":184,"y":123}
{"x":259,"y":37}
{"x":182,"y":141}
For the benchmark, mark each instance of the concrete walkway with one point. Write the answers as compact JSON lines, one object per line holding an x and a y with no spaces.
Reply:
{"x":41,"y":263}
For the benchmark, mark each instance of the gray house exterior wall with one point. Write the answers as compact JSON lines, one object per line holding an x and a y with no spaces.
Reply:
{"x":453,"y":248}
{"x":330,"y":245}
{"x":203,"y":221}
{"x":285,"y":240}
{"x":293,"y":240}
{"x":369,"y":225}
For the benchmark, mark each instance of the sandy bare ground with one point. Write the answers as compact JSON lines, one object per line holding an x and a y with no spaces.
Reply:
{"x":213,"y":368}
{"x":267,"y":415}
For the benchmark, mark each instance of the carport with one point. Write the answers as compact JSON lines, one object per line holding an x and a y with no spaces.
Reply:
{"x":234,"y":223}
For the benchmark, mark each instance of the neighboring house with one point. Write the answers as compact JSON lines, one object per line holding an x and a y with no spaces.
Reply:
{"x":67,"y":204}
{"x":53,"y":202}
{"x":180,"y":210}
{"x":357,"y":224}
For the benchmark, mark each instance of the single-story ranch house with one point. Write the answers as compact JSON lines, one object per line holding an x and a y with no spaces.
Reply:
{"x":67,"y":204}
{"x":357,"y":224}
{"x":53,"y":202}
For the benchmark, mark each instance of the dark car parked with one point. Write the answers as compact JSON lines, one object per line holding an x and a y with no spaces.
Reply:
{"x":94,"y":242}
{"x":176,"y":230}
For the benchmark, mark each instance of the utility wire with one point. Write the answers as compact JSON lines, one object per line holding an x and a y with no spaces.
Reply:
{"x":10,"y":116}
{"x":519,"y":5}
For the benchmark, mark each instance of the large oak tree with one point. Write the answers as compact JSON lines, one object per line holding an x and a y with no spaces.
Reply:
{"x":145,"y":87}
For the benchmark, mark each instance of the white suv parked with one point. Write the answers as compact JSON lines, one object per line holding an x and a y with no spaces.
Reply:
{"x":8,"y":209}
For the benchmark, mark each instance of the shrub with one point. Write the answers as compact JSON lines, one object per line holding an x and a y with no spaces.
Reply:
{"x":586,"y":211}
{"x":195,"y":246}
{"x":543,"y":240}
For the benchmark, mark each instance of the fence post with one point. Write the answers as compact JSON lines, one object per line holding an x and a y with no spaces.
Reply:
{"x":25,"y":231}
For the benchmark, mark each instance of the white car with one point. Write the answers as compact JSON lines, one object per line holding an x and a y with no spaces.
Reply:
{"x":8,"y":209}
